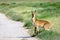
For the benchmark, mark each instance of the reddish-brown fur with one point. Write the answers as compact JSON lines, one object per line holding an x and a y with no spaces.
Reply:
{"x":40,"y":23}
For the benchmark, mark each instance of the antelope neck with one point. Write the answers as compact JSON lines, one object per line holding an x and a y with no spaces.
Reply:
{"x":33,"y":19}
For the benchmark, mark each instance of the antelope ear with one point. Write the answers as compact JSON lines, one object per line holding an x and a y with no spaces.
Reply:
{"x":32,"y":12}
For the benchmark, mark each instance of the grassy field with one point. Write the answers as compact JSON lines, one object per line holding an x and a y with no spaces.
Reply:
{"x":27,"y":1}
{"x":47,"y":11}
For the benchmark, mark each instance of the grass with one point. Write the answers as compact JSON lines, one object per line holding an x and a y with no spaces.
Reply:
{"x":28,"y":1}
{"x":48,"y":35}
{"x":47,"y":11}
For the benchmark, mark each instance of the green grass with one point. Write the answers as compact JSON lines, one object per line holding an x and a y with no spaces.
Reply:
{"x":46,"y":11}
{"x":27,"y":1}
{"x":48,"y":35}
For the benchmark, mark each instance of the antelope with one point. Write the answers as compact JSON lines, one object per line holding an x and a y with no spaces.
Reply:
{"x":39,"y":23}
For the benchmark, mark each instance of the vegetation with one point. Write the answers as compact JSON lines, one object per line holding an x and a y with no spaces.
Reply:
{"x":47,"y":11}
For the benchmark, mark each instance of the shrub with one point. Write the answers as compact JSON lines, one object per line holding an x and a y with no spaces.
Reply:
{"x":28,"y":24}
{"x":4,"y":4}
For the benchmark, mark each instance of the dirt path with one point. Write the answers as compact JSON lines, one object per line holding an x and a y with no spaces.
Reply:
{"x":12,"y":30}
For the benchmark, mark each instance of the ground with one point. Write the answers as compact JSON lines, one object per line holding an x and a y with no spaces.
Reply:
{"x":13,"y":30}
